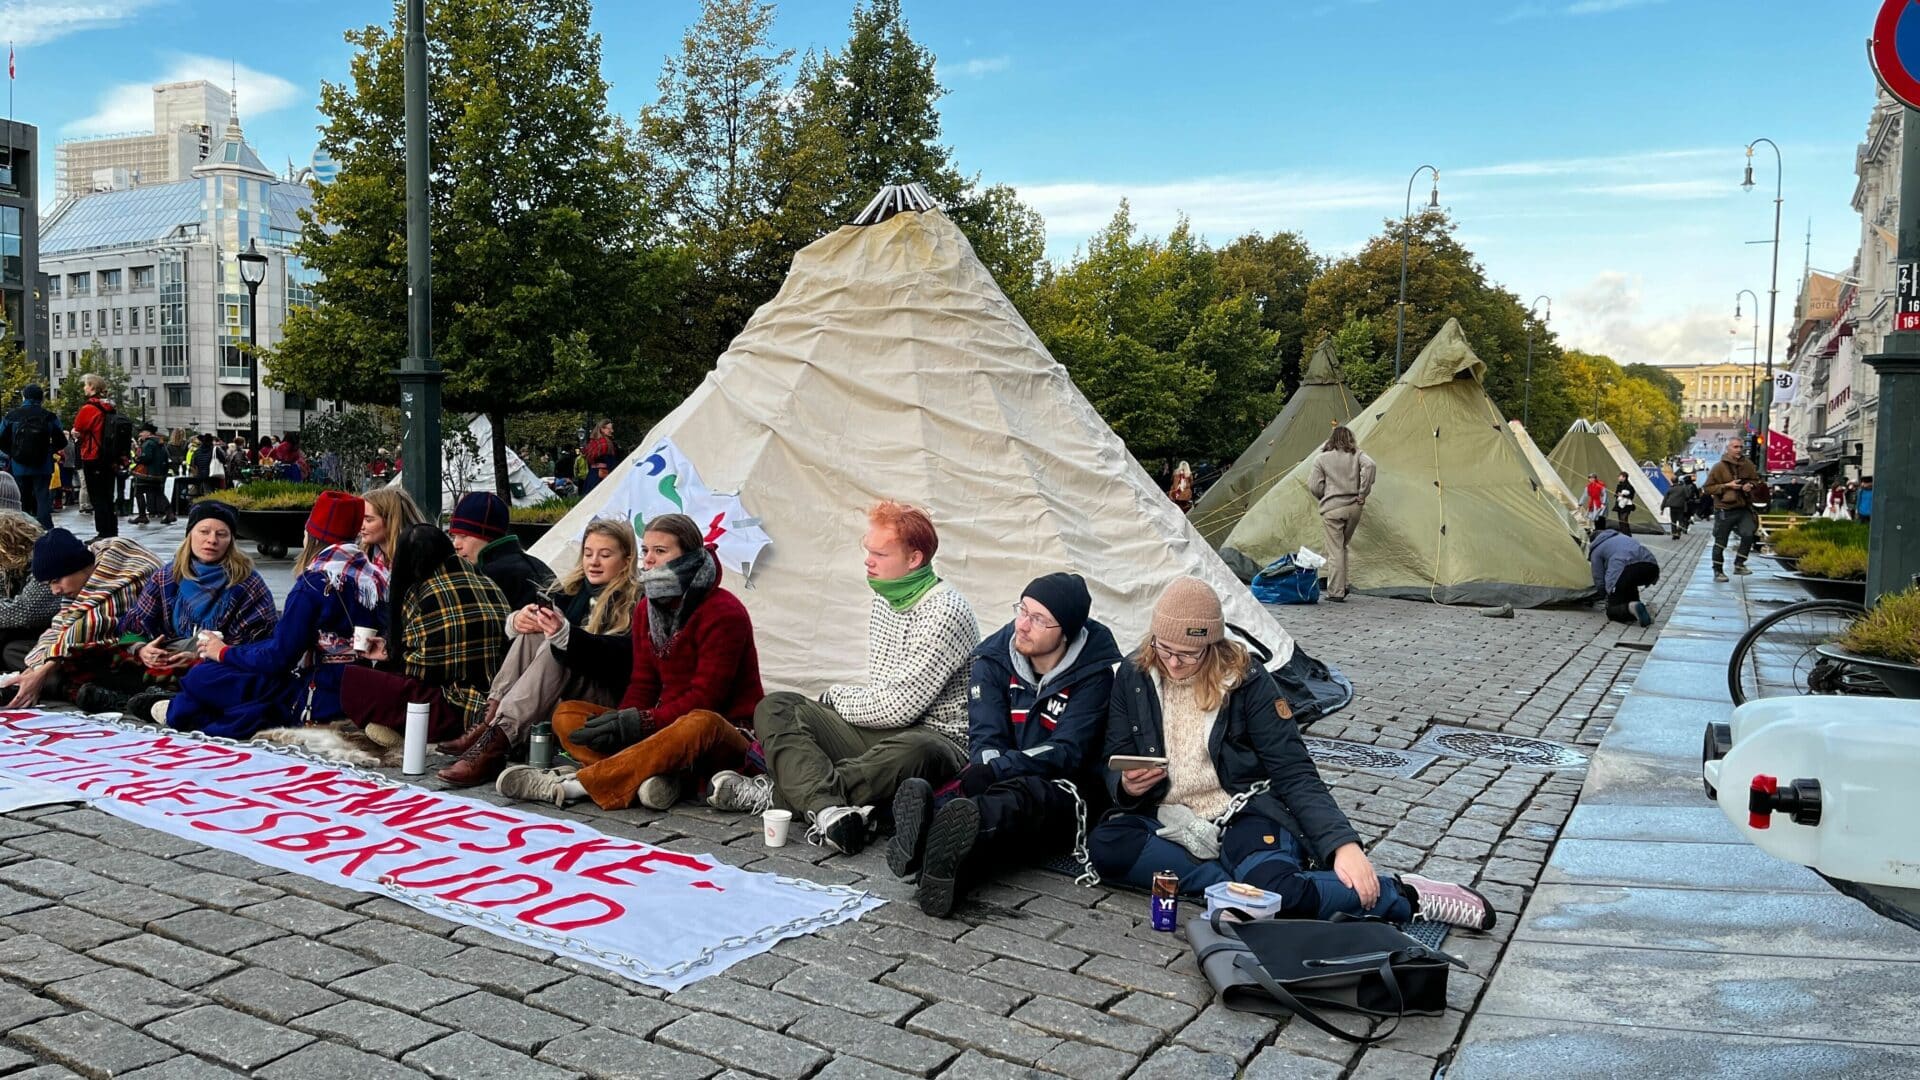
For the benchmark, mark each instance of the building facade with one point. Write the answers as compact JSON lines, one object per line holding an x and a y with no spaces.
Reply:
{"x":187,"y":121}
{"x":1717,"y":399}
{"x":148,"y":275}
{"x":21,"y":305}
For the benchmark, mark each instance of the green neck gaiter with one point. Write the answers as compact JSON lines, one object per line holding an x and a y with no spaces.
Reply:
{"x":903,"y":592}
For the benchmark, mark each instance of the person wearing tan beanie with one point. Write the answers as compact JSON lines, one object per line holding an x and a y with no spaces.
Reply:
{"x":1238,"y":799}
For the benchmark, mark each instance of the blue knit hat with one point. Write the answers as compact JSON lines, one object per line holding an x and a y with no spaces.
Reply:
{"x":59,"y":553}
{"x":480,"y":514}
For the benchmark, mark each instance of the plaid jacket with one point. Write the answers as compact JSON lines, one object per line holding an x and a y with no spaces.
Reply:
{"x":454,"y":635}
{"x":246,"y":618}
{"x":93,"y":617}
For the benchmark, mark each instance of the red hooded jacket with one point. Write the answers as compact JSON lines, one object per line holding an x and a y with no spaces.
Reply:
{"x":712,"y":663}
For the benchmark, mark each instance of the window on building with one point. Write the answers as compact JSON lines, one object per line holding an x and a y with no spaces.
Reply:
{"x":133,"y":320}
{"x":70,"y":322}
{"x":12,"y":253}
{"x":56,"y":361}
{"x":56,"y":326}
{"x":141,"y":279}
{"x":173,"y":361}
{"x":53,"y":286}
{"x":180,"y":397}
{"x":119,"y":320}
{"x":150,"y":362}
{"x":110,"y":282}
{"x":119,"y":360}
{"x":103,"y":320}
{"x":86,"y":322}
{"x":80,"y":284}
{"x":151,"y":324}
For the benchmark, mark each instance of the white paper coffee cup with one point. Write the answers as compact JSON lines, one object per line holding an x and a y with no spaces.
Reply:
{"x":777,"y":822}
{"x":363,"y":637}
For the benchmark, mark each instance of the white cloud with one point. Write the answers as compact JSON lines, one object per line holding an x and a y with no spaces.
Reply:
{"x":36,"y":22}
{"x":1606,"y":316}
{"x":981,"y":66}
{"x":1664,"y":189}
{"x":126,"y":107}
{"x":1220,"y":207}
{"x":1641,"y":163}
{"x":1603,"y":7}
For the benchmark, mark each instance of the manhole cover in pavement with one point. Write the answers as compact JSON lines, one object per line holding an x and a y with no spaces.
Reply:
{"x":1512,"y":749}
{"x":1353,"y":755}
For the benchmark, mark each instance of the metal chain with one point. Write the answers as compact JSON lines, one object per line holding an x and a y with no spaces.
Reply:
{"x":1088,"y":877}
{"x":1239,"y":802}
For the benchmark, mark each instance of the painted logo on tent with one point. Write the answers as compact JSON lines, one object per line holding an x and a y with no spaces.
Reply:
{"x":665,"y":482}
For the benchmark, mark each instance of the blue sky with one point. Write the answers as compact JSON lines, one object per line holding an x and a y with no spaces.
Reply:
{"x":1591,"y":150}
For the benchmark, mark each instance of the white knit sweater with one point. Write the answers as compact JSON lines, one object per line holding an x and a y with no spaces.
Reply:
{"x":1192,"y":781}
{"x":916,"y":666}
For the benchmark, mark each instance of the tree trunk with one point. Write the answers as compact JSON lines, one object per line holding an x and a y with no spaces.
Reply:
{"x":501,"y":485}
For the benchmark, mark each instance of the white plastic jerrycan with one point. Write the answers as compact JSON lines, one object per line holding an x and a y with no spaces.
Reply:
{"x":1827,"y":782}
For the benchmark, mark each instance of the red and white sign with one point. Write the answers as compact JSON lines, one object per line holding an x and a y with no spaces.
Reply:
{"x":664,"y":918}
{"x":1906,"y":297}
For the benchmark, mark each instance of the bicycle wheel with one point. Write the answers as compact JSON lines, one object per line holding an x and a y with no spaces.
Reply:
{"x":1776,"y":657}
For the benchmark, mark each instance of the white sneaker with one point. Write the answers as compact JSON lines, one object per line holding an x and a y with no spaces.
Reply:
{"x":660,"y":792}
{"x":729,"y":790}
{"x":841,"y":828}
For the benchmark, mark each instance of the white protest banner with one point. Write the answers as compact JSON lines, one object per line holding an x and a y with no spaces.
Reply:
{"x":665,"y":482}
{"x":660,"y":917}
{"x":18,"y":794}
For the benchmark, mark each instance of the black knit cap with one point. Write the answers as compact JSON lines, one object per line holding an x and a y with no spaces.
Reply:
{"x":213,"y":508}
{"x":1065,"y":595}
{"x":58,"y":553}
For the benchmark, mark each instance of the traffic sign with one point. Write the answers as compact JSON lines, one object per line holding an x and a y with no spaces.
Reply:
{"x":1895,"y":50}
{"x":1906,"y":297}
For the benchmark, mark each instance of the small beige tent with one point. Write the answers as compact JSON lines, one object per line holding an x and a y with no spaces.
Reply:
{"x":1582,"y":452}
{"x":1544,"y":472}
{"x":890,"y":365}
{"x":1456,"y":515}
{"x":1321,"y":401}
{"x":1647,"y":497}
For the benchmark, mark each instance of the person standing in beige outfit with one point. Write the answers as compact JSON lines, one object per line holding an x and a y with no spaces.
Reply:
{"x":1342,"y":478}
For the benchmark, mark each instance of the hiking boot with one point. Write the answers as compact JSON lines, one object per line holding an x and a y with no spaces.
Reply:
{"x":141,"y":520}
{"x":480,"y":762}
{"x":1443,"y":901}
{"x":728,"y":790}
{"x":660,"y":792}
{"x":94,"y":698}
{"x":1740,"y":569}
{"x":1720,"y":576}
{"x":1641,"y":615}
{"x":840,"y":828}
{"x":140,"y":706}
{"x":383,"y":736}
{"x":528,"y":784}
{"x":912,"y":810}
{"x":464,"y":742}
{"x":949,"y":841}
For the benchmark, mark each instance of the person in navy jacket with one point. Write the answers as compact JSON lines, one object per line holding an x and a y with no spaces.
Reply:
{"x":1036,"y":711}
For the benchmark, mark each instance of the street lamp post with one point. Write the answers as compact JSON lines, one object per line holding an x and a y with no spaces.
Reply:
{"x":419,"y":374}
{"x":253,"y":271}
{"x":1526,"y":399}
{"x":1406,"y":237}
{"x":1773,"y":291}
{"x":1753,"y":361}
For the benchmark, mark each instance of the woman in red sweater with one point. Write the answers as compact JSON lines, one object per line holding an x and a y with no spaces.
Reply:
{"x":688,"y":709}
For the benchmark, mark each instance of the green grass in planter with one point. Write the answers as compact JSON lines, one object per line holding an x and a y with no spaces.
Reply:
{"x":268,"y":495}
{"x":1796,"y":541}
{"x":545,"y":512}
{"x":1829,"y":560}
{"x":1890,"y":631}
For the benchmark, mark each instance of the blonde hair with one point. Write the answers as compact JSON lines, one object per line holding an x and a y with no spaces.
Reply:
{"x":1222,"y":667}
{"x":17,"y":534}
{"x":613,"y":614}
{"x":235,"y":562}
{"x":311,"y":548}
{"x":395,"y":507}
{"x":94,"y":383}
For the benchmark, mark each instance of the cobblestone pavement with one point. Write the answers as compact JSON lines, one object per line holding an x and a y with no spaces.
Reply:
{"x":129,"y":952}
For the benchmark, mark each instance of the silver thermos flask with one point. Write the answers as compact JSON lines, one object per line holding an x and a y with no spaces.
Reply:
{"x":540,"y":746}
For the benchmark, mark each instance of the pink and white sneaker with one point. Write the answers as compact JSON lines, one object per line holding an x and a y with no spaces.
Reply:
{"x":1443,"y":901}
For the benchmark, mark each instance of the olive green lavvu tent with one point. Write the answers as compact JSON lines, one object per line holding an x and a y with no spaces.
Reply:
{"x":1456,"y":515}
{"x":1321,"y":402}
{"x":1584,"y":450}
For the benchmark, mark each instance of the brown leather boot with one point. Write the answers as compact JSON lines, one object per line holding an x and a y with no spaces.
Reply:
{"x":482,"y":761}
{"x":463,"y":742}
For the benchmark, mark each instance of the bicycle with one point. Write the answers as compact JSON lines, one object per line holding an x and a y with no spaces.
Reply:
{"x":1780,"y":656}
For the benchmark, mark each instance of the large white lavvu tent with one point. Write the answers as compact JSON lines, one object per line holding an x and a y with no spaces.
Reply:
{"x":891,"y":365}
{"x":461,"y":471}
{"x":1543,"y":471}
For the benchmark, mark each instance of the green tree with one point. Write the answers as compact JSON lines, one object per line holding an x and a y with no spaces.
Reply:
{"x":15,"y":370}
{"x":95,"y":360}
{"x":1661,"y":378}
{"x":354,"y":435}
{"x":1275,"y":271}
{"x":548,"y":291}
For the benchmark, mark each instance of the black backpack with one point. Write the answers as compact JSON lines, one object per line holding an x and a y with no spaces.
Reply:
{"x":116,"y":436}
{"x":33,"y":437}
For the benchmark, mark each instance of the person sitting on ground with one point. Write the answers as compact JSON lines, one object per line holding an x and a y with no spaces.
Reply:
{"x":835,"y":759}
{"x":1678,"y":504}
{"x":27,"y":606}
{"x":482,"y":535}
{"x":390,"y":512}
{"x":448,"y":625}
{"x":1036,"y":717}
{"x":210,"y":585}
{"x":1198,"y":700}
{"x":1622,"y":566}
{"x":292,"y":676}
{"x":581,"y":652}
{"x":95,"y":585}
{"x":1731,"y":485}
{"x":694,"y":683}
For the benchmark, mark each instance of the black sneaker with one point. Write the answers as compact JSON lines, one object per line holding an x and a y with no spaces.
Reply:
{"x":94,"y":698}
{"x":140,"y":706}
{"x":949,"y":841}
{"x":912,"y":810}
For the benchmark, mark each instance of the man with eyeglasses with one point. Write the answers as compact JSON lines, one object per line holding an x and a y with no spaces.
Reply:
{"x":1036,"y":712}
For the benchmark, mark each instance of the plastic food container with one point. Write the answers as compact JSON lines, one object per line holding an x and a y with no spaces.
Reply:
{"x":1264,"y":906}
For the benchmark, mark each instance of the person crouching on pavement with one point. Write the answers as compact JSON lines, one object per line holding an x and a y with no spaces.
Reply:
{"x":835,"y":759}
{"x":1239,"y":798}
{"x":694,"y":683}
{"x":96,"y":585}
{"x":1036,"y":714}
{"x":1622,"y":566}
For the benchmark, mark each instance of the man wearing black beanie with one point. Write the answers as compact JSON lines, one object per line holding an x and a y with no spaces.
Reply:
{"x":1036,"y":712}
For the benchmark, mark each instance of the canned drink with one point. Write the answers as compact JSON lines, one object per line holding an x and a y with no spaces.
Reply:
{"x":1166,"y":900}
{"x":540,"y":746}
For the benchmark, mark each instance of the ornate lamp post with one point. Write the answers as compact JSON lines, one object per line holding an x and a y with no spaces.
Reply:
{"x":1773,"y":292}
{"x":253,"y":271}
{"x":1526,"y":399}
{"x":1406,"y":237}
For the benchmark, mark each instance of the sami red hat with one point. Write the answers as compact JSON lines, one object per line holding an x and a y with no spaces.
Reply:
{"x":336,"y":517}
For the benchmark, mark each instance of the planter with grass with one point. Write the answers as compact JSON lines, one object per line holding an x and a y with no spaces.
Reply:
{"x":271,"y":513}
{"x":1832,"y":571}
{"x":530,"y":523}
{"x":1886,"y":640}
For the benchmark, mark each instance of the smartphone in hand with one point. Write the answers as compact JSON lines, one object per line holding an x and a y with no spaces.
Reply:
{"x":1132,"y":762}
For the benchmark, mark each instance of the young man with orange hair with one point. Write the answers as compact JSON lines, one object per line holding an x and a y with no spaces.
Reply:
{"x":835,"y":759}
